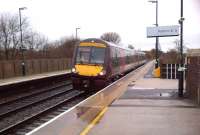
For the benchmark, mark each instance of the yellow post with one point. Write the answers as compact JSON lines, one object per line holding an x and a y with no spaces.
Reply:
{"x":156,"y":72}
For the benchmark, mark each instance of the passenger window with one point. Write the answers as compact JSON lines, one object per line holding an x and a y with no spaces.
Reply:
{"x":115,"y":59}
{"x":128,"y":58}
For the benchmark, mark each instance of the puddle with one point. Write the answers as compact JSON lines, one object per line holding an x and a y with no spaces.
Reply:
{"x":131,"y":84}
{"x":165,"y":94}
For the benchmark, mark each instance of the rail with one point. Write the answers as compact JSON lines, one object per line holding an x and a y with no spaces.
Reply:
{"x":74,"y":120}
{"x":27,"y":85}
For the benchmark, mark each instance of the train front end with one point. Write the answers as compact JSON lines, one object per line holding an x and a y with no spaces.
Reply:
{"x":89,"y":68}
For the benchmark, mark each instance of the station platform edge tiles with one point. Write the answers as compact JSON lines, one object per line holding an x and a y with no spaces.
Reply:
{"x":19,"y":79}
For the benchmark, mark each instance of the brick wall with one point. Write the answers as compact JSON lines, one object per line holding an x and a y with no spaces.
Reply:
{"x":193,"y":78}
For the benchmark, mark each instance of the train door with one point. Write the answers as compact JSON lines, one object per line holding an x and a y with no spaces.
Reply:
{"x":122,"y":61}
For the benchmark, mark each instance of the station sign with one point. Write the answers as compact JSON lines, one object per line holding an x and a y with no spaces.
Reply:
{"x":163,"y":31}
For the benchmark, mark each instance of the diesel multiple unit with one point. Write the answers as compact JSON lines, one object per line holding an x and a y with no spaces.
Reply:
{"x":97,"y":62}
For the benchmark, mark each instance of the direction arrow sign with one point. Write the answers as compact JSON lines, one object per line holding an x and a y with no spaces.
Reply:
{"x":163,"y":31}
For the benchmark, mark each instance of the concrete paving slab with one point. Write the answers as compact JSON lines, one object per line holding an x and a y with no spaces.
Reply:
{"x":185,"y":103}
{"x":156,"y":83}
{"x":150,"y":93}
{"x":149,"y":121}
{"x":150,"y":106}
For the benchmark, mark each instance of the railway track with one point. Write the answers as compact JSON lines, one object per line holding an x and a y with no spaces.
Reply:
{"x":48,"y":115}
{"x":17,"y":114}
{"x":23,"y":113}
{"x":15,"y":90}
{"x":25,"y":102}
{"x":14,"y":106}
{"x":15,"y":98}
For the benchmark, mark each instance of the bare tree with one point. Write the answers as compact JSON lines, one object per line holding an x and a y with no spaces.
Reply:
{"x":14,"y":35}
{"x":36,"y":44}
{"x":68,"y":46}
{"x":10,"y":34}
{"x":111,"y":37}
{"x":131,"y":46}
{"x":4,"y":34}
{"x":171,"y":56}
{"x":178,"y":46}
{"x":10,"y":37}
{"x":35,"y":41}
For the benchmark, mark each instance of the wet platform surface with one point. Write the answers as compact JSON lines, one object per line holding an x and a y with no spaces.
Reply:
{"x":149,"y":94}
{"x":150,"y":106}
{"x":31,"y":77}
{"x":149,"y":118}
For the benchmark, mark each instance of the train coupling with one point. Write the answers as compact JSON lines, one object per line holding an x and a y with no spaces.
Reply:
{"x":86,"y":83}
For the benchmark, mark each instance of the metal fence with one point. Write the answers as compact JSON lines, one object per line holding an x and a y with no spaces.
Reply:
{"x":170,"y":71}
{"x":13,"y":68}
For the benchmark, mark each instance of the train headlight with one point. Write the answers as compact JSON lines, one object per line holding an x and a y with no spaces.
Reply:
{"x":102,"y":72}
{"x":74,"y":70}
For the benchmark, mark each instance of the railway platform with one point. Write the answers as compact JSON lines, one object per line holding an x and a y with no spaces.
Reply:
{"x":20,"y":79}
{"x":149,"y":106}
{"x":136,"y":104}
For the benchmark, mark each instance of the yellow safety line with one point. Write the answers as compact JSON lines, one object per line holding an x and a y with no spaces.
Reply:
{"x":94,"y":122}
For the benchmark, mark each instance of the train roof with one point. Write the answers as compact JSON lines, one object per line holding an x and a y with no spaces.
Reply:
{"x":96,"y":40}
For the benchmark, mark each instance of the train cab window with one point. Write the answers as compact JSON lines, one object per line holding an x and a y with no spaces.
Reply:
{"x":83,"y":55}
{"x":90,"y":55}
{"x":97,"y":55}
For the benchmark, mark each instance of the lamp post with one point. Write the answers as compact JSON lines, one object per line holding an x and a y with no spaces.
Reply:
{"x":77,"y":32}
{"x":157,"y":39}
{"x":21,"y":41}
{"x":180,"y":89}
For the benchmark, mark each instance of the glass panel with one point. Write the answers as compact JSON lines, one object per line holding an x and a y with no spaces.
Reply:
{"x":97,"y":55}
{"x":90,"y":55}
{"x":83,"y":55}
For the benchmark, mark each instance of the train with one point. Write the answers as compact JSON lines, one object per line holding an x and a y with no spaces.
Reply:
{"x":96,"y":63}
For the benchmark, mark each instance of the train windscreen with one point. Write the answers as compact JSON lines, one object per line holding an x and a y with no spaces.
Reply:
{"x":90,"y":55}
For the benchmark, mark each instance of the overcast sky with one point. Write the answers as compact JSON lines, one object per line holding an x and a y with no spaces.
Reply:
{"x":129,"y":18}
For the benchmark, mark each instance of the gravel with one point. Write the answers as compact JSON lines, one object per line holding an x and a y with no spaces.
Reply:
{"x":30,"y":92}
{"x":33,"y":110}
{"x":29,"y":100}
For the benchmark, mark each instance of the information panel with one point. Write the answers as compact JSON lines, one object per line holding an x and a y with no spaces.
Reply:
{"x":163,"y":31}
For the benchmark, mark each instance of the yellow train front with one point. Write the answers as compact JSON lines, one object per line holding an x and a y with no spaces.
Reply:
{"x":97,"y":62}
